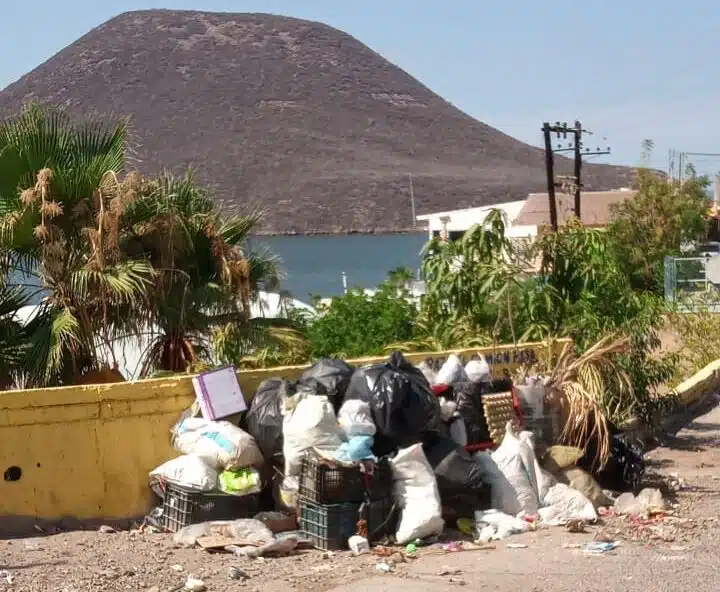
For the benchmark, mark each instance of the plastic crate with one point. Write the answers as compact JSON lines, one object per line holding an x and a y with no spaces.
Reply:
{"x":183,"y":506}
{"x":328,"y":527}
{"x":322,"y":482}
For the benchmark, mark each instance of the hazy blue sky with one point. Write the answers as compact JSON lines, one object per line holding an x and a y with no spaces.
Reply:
{"x":629,"y":69}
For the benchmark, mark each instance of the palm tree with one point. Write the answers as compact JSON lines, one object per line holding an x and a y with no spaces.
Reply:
{"x":206,"y":278}
{"x":61,"y":202}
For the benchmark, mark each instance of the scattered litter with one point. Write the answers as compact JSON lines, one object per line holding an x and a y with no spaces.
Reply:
{"x":678,"y":549}
{"x":411,"y":548}
{"x":194,"y":585}
{"x":105,"y":529}
{"x":383,"y":567}
{"x":358,"y":545}
{"x":9,"y":578}
{"x":575,"y":526}
{"x":446,"y":570}
{"x":178,"y":568}
{"x":516,"y":546}
{"x":572,"y":546}
{"x":235,"y":573}
{"x":597,"y":547}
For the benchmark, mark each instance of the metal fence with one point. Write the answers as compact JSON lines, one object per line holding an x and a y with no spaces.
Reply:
{"x":688,"y":285}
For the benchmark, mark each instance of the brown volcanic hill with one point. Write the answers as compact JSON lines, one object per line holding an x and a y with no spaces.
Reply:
{"x":294,"y":115}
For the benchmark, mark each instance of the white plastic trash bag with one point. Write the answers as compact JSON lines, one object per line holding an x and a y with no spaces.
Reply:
{"x":502,"y":524}
{"x":220,"y":444}
{"x":478,"y":370}
{"x":416,"y":492}
{"x":452,"y":371}
{"x":516,"y":459}
{"x":309,"y":422}
{"x":355,"y":419}
{"x":563,"y":503}
{"x":503,"y":496}
{"x":188,"y":470}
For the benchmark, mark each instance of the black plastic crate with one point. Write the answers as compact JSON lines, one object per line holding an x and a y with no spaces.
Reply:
{"x":323,"y":482}
{"x":183,"y":506}
{"x":328,"y":527}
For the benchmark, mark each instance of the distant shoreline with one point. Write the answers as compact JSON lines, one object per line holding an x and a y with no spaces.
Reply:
{"x":270,"y":233}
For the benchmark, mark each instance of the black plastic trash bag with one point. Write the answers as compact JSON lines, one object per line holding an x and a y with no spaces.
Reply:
{"x":332,"y":375}
{"x":264,"y":420}
{"x":468,"y":396}
{"x":625,"y":468}
{"x":402,"y":404}
{"x":461,"y":480}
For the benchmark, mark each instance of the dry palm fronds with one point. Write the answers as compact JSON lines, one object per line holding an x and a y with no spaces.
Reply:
{"x":583,"y":383}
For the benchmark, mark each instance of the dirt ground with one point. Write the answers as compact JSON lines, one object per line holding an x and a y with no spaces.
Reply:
{"x":675,"y":553}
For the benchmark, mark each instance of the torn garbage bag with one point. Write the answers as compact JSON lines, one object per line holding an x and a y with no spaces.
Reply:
{"x":332,"y":375}
{"x":461,"y":480}
{"x":403,"y":406}
{"x":264,"y":419}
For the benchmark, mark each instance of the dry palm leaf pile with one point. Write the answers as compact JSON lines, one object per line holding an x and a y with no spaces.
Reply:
{"x":587,"y":386}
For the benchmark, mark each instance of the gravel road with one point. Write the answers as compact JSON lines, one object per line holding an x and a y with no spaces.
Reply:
{"x":677,"y":553}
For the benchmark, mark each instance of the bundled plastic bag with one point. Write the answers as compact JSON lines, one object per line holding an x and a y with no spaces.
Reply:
{"x":416,"y":492}
{"x":478,"y":370}
{"x":427,"y":371}
{"x":240,"y":482}
{"x":460,"y":479}
{"x":264,"y":420}
{"x":251,"y":531}
{"x":219,"y":443}
{"x":188,"y":470}
{"x":332,"y":375}
{"x":403,"y":406}
{"x":355,"y":419}
{"x":516,"y":459}
{"x":452,"y":371}
{"x":493,"y":525}
{"x":563,"y":503}
{"x":308,"y":423}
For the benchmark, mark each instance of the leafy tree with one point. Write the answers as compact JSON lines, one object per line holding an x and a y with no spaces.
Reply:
{"x":205,"y":279}
{"x":360,"y":324}
{"x":61,"y":201}
{"x":661,"y":217}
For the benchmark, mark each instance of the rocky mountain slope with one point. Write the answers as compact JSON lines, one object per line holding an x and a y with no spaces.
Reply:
{"x":292,"y":115}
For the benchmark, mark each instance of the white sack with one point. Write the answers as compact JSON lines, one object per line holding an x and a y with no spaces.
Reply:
{"x":416,"y":492}
{"x":543,"y":479}
{"x":355,"y":419}
{"x":187,"y":470}
{"x":515,"y":458}
{"x":478,"y":370}
{"x":309,"y":422}
{"x":452,"y":371}
{"x":502,"y":494}
{"x":220,"y":444}
{"x":563,"y":503}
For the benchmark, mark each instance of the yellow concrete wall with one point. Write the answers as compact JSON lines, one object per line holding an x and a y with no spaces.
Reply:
{"x":85,"y":452}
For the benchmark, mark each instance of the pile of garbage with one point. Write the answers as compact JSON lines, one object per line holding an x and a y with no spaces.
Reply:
{"x":392,"y":453}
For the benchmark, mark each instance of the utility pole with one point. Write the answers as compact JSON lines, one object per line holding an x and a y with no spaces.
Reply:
{"x":578,"y":166}
{"x":577,"y":148}
{"x":550,"y":171}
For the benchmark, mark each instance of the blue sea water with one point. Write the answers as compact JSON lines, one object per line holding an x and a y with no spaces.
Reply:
{"x":315,"y":264}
